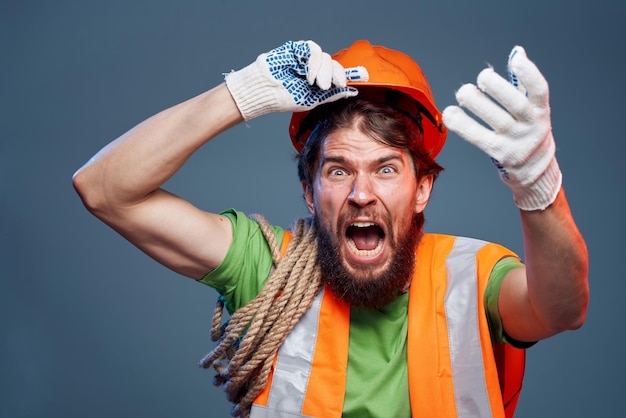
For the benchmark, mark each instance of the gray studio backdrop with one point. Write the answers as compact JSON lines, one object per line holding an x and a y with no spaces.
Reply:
{"x":91,"y":327}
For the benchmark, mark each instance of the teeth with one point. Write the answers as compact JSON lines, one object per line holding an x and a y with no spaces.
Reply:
{"x":363,"y":224}
{"x":365,"y":253}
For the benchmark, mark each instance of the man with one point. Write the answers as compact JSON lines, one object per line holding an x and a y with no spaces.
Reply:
{"x":370,"y":316}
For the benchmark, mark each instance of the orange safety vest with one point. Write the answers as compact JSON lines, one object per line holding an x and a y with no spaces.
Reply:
{"x":454,"y":370}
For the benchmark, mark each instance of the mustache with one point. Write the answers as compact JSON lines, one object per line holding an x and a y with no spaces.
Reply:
{"x":380,"y":219}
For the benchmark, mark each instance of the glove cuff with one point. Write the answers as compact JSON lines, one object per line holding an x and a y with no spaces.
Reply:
{"x":254,"y":93}
{"x":542,"y":192}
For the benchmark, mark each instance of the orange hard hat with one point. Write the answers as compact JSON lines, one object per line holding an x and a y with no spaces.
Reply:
{"x":388,"y":69}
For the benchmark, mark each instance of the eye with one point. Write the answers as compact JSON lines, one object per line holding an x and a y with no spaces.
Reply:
{"x":337,"y":172}
{"x":387,"y":170}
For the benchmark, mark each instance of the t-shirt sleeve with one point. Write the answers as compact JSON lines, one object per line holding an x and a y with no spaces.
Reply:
{"x":499,"y":272}
{"x":246,"y":267}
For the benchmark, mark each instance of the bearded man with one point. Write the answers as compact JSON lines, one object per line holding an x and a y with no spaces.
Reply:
{"x":357,"y":311}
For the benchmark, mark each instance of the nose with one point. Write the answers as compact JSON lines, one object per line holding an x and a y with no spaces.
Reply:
{"x":362,"y":193}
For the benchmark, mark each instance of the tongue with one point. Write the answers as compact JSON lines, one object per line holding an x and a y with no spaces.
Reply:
{"x":365,"y":238}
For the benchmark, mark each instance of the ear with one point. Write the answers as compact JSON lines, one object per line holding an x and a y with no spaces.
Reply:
{"x":422,"y":195}
{"x":307,"y":190}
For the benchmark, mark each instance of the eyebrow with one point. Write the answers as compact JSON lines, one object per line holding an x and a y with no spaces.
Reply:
{"x":340,"y":159}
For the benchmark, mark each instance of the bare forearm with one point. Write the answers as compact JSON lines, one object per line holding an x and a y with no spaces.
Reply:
{"x":556,"y":266}
{"x":127,"y":170}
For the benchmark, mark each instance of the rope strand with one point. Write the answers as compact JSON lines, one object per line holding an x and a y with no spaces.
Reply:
{"x":243,"y":358}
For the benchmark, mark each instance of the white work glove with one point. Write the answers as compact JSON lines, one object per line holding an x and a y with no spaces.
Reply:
{"x":520,"y":141}
{"x":294,"y":77}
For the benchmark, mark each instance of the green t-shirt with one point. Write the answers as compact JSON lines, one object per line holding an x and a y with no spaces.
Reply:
{"x":377,"y":376}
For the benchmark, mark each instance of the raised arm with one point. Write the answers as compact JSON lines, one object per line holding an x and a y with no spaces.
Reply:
{"x":121,"y":184}
{"x":551,"y":294}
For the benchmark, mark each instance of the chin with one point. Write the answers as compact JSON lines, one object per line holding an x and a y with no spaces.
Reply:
{"x":366,"y":273}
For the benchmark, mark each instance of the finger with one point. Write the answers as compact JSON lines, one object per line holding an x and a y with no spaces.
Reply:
{"x":512,"y":76}
{"x":357,"y":74}
{"x":504,"y":93}
{"x":339,"y":74}
{"x":467,"y":128}
{"x":337,"y":94}
{"x":481,"y":105}
{"x":314,"y":62}
{"x":324,"y":76}
{"x":529,"y":75}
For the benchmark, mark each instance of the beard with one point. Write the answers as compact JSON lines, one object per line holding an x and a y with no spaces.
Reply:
{"x":367,"y":289}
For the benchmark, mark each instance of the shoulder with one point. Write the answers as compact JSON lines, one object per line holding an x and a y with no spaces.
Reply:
{"x":461,"y":244}
{"x":248,"y":261}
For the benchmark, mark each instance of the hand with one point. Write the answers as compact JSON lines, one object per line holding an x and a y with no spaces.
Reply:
{"x":520,"y":141}
{"x":294,"y":77}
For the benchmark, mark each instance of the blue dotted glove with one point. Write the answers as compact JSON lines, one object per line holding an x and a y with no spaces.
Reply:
{"x":294,"y":77}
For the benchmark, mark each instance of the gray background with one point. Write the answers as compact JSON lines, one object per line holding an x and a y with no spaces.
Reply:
{"x":91,"y":327}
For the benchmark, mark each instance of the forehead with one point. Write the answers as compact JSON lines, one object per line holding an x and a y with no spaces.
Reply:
{"x":352,"y":143}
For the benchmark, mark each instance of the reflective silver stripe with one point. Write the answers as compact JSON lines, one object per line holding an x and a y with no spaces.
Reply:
{"x":293,"y":367}
{"x":461,"y":306}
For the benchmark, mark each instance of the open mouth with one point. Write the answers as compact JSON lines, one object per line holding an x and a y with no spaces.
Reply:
{"x":365,"y":239}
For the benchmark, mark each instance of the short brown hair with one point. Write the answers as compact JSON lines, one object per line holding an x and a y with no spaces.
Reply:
{"x":382,"y":122}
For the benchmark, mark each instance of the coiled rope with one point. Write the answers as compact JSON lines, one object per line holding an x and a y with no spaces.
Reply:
{"x":248,"y":342}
